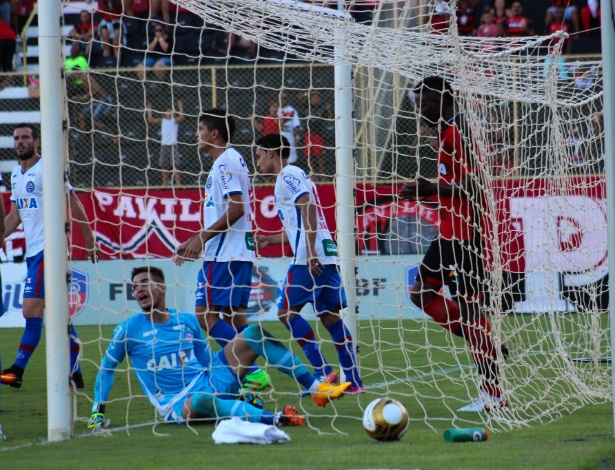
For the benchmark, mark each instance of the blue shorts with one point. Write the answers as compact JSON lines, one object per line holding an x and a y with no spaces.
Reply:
{"x":324,"y":292}
{"x":219,"y":380}
{"x":34,"y":286}
{"x":224,"y":284}
{"x":149,"y":62}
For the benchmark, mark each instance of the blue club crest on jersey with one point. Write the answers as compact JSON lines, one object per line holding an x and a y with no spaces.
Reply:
{"x":78,"y":291}
{"x":210,"y":181}
{"x":30,"y":187}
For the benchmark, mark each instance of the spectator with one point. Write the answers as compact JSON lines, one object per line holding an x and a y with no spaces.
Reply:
{"x":440,"y":17}
{"x":76,"y":59}
{"x":272,"y":123}
{"x":100,"y":103}
{"x":147,"y":9}
{"x":110,"y":29}
{"x":318,"y":117}
{"x":291,"y":124}
{"x":158,"y":53}
{"x":488,"y":29}
{"x":571,"y":14}
{"x":235,"y":42}
{"x":8,"y":13}
{"x":517,"y":25}
{"x":466,"y":22}
{"x":84,"y":32}
{"x":8,"y":41}
{"x":559,"y":23}
{"x":500,"y":13}
{"x":170,"y":159}
{"x":23,"y":9}
{"x":590,"y":17}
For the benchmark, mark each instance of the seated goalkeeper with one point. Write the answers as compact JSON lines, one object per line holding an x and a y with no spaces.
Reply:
{"x":182,"y":377}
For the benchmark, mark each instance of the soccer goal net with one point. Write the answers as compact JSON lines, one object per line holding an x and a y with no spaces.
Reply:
{"x":535,"y":119}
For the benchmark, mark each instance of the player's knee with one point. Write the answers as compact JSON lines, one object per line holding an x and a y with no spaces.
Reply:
{"x":204,"y":404}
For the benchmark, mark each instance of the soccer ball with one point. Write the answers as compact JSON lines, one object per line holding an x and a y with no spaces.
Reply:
{"x":385,"y":419}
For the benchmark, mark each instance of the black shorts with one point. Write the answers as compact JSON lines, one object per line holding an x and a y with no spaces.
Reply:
{"x":457,"y":264}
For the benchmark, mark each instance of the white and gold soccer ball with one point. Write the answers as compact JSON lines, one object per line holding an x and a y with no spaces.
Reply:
{"x":385,"y":419}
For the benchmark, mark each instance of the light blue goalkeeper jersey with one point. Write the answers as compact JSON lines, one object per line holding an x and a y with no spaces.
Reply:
{"x":169,"y":359}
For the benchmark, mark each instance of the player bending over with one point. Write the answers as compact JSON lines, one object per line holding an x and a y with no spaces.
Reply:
{"x":227,"y":243}
{"x":27,"y":209}
{"x":183,"y":379}
{"x":453,"y":258}
{"x":313,"y":276}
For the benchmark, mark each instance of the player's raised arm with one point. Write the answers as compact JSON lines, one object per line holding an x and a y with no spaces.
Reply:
{"x":81,"y":218}
{"x":309,"y":217}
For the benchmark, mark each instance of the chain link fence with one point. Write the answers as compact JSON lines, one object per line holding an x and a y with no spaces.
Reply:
{"x":114,"y":139}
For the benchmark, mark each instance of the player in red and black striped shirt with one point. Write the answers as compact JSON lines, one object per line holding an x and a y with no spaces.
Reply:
{"x":454,"y":258}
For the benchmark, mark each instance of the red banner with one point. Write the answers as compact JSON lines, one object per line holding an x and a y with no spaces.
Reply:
{"x":152,"y":222}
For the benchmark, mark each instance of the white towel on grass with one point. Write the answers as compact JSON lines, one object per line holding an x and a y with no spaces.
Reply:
{"x":237,"y":431}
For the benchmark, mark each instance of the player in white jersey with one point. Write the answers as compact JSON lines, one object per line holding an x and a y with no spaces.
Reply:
{"x":227,"y":243}
{"x":313,"y":276}
{"x":183,"y":379}
{"x":27,"y":209}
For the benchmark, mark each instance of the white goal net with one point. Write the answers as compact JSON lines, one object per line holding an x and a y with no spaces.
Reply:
{"x":537,"y":135}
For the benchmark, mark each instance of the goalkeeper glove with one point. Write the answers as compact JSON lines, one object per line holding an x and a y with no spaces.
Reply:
{"x":98,"y":416}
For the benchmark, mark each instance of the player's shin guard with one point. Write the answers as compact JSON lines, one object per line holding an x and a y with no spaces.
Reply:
{"x":302,"y":332}
{"x":444,"y":312}
{"x":345,"y":351}
{"x":265,"y":345}
{"x":214,"y":407}
{"x":29,"y":341}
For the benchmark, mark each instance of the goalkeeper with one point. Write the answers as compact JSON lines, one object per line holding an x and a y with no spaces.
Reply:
{"x":183,"y":379}
{"x":453,"y":258}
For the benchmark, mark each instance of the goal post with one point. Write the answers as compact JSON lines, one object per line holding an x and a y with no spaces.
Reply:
{"x":59,"y":413}
{"x":608,"y":42}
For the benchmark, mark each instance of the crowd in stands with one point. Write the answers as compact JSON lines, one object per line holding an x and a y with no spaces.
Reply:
{"x":138,"y":33}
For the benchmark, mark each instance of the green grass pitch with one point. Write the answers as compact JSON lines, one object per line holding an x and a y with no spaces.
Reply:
{"x":333,"y":438}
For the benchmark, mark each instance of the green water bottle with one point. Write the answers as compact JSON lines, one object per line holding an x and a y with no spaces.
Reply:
{"x":465,"y":435}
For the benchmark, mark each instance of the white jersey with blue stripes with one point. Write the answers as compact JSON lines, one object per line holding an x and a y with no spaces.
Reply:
{"x":291,"y":184}
{"x":229,"y":175}
{"x":27,"y":194}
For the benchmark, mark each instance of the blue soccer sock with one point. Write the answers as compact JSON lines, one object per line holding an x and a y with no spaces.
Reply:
{"x":345,"y":351}
{"x":265,"y":345}
{"x":29,"y":341}
{"x":222,"y":332}
{"x":214,"y":407}
{"x":74,"y":350}
{"x":302,"y":332}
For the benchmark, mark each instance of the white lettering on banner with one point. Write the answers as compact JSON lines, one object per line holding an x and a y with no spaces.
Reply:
{"x":125,"y":208}
{"x":168,"y":209}
{"x":268,"y":207}
{"x":149,"y":209}
{"x":104,"y":200}
{"x":562,"y":233}
{"x":186,"y":215}
{"x":146,"y":211}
